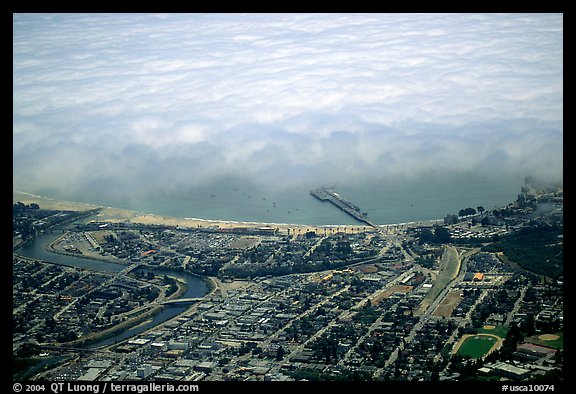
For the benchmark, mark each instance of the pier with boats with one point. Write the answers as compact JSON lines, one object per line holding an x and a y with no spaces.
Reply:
{"x":326,"y":194}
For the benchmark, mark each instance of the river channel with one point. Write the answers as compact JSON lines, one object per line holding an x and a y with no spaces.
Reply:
{"x":195,"y":286}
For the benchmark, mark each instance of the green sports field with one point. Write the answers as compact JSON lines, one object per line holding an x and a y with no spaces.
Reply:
{"x":499,"y":331}
{"x":476,"y":346}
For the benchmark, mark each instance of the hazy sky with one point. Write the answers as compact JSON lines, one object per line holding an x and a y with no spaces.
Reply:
{"x":134,"y":102}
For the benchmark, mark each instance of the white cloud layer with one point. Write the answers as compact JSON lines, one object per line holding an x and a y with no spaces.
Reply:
{"x":176,"y":99}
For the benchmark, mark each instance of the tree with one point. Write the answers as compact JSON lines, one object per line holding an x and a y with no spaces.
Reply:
{"x":513,"y":337}
{"x":50,"y":322}
{"x":280,"y":352}
{"x":26,"y":230}
{"x":558,"y":357}
{"x":467,"y":212}
{"x":27,"y":350}
{"x":528,"y":325}
{"x":66,"y":336}
{"x":426,"y":236}
{"x":442,"y":234}
{"x":480,"y":209}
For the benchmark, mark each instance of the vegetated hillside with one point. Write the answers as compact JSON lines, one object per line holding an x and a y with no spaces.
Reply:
{"x":536,"y":248}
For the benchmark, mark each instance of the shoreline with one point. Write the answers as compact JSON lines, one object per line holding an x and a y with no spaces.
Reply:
{"x":118,"y":215}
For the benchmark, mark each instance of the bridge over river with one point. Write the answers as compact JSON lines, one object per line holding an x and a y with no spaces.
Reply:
{"x":180,"y":301}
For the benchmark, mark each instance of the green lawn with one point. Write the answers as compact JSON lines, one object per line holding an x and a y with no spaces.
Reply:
{"x":476,"y":346}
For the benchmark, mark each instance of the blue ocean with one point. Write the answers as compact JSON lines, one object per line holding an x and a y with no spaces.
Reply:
{"x":385,"y":202}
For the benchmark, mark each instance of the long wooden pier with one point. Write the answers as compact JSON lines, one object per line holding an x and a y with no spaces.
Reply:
{"x":324,"y":194}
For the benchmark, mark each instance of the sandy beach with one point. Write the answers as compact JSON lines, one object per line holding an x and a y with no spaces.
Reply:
{"x":110,"y":214}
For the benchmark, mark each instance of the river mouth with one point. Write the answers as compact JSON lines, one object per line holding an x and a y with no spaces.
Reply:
{"x":192,"y":287}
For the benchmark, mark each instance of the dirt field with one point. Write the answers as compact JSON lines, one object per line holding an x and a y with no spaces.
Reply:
{"x":387,"y":293}
{"x":234,"y":285}
{"x":244,"y":242}
{"x":549,"y":337}
{"x":448,"y":304}
{"x":368,"y":269}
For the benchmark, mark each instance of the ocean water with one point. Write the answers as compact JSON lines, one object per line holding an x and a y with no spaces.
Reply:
{"x":386,"y":202}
